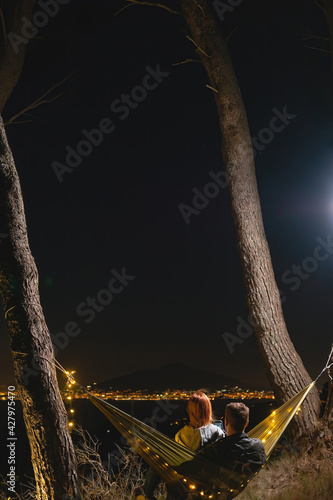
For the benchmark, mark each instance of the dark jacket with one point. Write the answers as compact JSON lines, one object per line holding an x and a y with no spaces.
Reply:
{"x":227,"y":464}
{"x":236,"y":449}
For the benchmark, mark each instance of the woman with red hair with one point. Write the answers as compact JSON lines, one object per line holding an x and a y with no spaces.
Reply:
{"x":199,"y":432}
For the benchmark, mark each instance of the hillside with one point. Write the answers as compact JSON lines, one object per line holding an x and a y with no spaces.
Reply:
{"x":173,"y":376}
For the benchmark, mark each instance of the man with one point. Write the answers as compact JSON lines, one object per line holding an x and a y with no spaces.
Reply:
{"x":237,"y":447}
{"x":234,"y":460}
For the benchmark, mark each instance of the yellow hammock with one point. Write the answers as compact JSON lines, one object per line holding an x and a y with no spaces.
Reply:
{"x":165,"y":455}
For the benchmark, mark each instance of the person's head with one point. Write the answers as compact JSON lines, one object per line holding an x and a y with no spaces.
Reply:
{"x":199,"y":409}
{"x":236,"y":417}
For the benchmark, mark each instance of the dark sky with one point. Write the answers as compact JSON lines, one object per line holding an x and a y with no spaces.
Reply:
{"x":119,"y":208}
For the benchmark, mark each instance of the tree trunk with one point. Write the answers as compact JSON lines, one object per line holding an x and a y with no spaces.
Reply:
{"x":283,"y":365}
{"x":45,"y":417}
{"x":13,"y":47}
{"x":328,"y":413}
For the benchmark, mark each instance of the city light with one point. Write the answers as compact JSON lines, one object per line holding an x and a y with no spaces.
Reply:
{"x":236,"y":393}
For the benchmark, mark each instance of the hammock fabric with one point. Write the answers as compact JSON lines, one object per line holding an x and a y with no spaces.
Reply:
{"x":165,"y":455}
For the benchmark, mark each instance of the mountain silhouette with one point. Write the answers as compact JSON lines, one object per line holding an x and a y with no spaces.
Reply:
{"x":173,"y":376}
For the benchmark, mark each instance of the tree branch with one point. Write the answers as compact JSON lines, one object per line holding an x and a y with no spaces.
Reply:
{"x":150,"y":4}
{"x":43,"y":99}
{"x":320,"y":6}
{"x":187,"y":61}
{"x":316,"y":48}
{"x":230,"y":34}
{"x":3,"y":24}
{"x":197,"y":46}
{"x":11,"y":60}
{"x":212,"y":88}
{"x":315,"y":37}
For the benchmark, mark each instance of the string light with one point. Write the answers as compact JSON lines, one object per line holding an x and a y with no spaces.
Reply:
{"x":265,"y":428}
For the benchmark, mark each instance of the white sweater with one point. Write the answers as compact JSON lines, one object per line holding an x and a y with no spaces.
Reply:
{"x":197,"y":438}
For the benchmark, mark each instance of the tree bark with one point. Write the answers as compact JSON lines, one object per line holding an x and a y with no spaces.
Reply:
{"x":45,"y":417}
{"x":12,"y":54}
{"x":328,"y":413}
{"x":283,"y":365}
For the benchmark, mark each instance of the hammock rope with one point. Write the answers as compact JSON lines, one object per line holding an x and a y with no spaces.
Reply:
{"x":271,"y":429}
{"x":327,"y":366}
{"x":165,"y":455}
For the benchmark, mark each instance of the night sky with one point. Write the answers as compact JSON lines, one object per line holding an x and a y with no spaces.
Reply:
{"x":118,"y":211}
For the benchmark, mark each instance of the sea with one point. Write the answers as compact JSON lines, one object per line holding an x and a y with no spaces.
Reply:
{"x":164,"y":415}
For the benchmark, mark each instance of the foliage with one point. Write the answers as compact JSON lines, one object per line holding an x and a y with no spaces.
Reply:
{"x":304,"y":473}
{"x":100,"y":481}
{"x":300,"y":473}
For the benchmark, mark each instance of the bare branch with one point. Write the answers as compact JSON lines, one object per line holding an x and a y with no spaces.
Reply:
{"x":212,"y":88}
{"x":230,"y":34}
{"x":198,"y":5}
{"x":320,"y":6}
{"x":150,"y":4}
{"x":187,"y":61}
{"x":3,"y":24}
{"x":314,"y":37}
{"x":21,"y":122}
{"x":316,"y":48}
{"x":43,"y":99}
{"x":197,"y":46}
{"x":308,"y":35}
